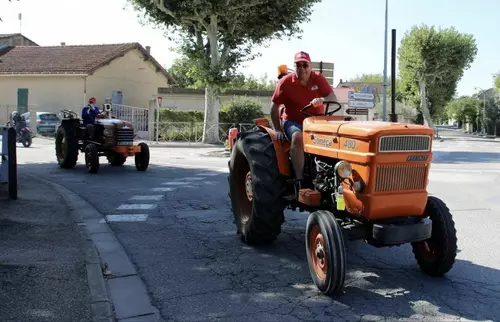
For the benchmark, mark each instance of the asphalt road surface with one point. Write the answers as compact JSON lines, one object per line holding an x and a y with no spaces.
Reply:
{"x":174,"y":221}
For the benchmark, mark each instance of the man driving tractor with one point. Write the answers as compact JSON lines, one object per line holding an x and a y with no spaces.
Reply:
{"x":294,"y":91}
{"x":89,"y":113}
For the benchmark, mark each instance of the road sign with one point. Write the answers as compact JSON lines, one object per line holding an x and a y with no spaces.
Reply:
{"x":361,"y":96}
{"x":325,"y":68}
{"x":362,"y":104}
{"x":357,"y":111}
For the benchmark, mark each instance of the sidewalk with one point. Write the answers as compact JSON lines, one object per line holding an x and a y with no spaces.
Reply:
{"x":43,"y":273}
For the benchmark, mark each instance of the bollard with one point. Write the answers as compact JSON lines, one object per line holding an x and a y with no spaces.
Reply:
{"x":8,"y":167}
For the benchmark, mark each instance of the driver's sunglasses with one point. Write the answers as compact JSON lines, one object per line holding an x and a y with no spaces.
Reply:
{"x":305,"y":65}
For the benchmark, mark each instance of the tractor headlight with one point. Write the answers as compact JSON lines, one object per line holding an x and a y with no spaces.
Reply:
{"x":343,"y":169}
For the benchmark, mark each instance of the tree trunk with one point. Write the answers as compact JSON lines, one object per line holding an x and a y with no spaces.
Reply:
{"x":424,"y":108}
{"x":211,"y":125}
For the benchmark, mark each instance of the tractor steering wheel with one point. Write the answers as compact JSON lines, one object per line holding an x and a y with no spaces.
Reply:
{"x":303,"y":110}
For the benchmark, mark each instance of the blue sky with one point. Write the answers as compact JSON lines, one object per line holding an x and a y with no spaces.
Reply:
{"x":348,"y":33}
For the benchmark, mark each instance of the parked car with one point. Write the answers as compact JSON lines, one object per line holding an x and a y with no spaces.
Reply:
{"x":46,"y":122}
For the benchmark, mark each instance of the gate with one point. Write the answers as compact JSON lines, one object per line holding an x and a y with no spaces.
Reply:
{"x":138,"y":116}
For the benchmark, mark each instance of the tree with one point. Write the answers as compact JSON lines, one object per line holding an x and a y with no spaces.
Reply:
{"x":220,"y":35}
{"x":464,"y":109}
{"x":431,"y":63}
{"x":187,"y":75}
{"x":496,"y":81}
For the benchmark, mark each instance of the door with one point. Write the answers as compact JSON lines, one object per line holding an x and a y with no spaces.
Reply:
{"x":22,"y":100}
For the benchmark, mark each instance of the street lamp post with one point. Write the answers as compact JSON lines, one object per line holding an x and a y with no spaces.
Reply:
{"x":384,"y":105}
{"x":483,"y":123}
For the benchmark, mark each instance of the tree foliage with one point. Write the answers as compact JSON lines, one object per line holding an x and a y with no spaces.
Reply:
{"x":220,"y":35}
{"x":464,"y":109}
{"x":187,"y":75}
{"x":431,"y":63}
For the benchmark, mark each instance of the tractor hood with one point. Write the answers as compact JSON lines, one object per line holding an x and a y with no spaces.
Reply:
{"x":120,"y":124}
{"x":361,"y":129}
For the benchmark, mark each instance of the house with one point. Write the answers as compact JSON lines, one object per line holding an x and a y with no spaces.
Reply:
{"x":51,"y":78}
{"x":16,"y":40}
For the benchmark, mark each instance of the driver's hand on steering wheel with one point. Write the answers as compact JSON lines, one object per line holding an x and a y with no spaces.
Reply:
{"x":317,"y":102}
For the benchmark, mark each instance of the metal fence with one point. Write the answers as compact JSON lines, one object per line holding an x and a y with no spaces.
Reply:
{"x":191,"y":131}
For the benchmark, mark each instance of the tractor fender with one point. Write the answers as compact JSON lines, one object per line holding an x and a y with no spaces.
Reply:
{"x":282,"y":149}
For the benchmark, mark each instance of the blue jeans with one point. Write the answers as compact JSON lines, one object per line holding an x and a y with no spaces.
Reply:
{"x":290,"y":127}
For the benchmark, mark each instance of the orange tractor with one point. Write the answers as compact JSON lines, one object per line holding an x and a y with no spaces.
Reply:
{"x":365,"y":179}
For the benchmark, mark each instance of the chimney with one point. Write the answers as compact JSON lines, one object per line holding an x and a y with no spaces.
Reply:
{"x":63,"y":44}
{"x":148,"y":49}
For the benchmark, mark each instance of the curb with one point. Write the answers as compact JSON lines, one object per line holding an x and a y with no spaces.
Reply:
{"x":124,"y":297}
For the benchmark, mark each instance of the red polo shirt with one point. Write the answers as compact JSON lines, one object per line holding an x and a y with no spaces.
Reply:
{"x":294,"y":96}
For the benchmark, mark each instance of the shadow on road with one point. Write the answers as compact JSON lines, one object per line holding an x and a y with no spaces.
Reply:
{"x":196,"y":268}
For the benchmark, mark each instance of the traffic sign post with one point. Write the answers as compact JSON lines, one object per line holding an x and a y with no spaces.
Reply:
{"x":357,"y":111}
{"x":360,"y":103}
{"x":324,"y":68}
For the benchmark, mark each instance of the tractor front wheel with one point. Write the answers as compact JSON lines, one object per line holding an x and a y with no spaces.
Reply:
{"x":325,"y":250}
{"x":256,"y":188}
{"x":436,"y":255}
{"x":91,"y":158}
{"x":116,"y":159}
{"x":142,"y":158}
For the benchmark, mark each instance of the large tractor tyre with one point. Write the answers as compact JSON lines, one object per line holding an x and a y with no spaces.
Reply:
{"x":91,"y":158}
{"x":256,"y":188}
{"x":116,"y":159}
{"x":436,"y":255}
{"x":325,"y":250}
{"x":142,"y":158}
{"x":66,"y":147}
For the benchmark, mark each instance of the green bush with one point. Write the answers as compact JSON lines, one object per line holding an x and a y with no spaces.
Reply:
{"x":241,"y":110}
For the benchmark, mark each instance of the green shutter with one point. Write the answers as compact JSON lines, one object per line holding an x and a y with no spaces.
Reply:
{"x":22,"y":100}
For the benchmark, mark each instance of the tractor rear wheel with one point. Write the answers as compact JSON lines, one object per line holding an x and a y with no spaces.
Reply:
{"x":66,"y":147}
{"x":436,"y":255}
{"x":256,"y":188}
{"x":325,"y":250}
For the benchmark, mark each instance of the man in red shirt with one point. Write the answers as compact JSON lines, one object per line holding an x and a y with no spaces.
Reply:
{"x":295,"y":91}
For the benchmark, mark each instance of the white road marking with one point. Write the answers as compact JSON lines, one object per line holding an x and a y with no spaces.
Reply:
{"x":124,"y":218}
{"x":176,"y":183}
{"x":191,"y":178}
{"x":147,"y":197}
{"x":210,"y":182}
{"x":207,"y":174}
{"x":163,"y":189}
{"x":141,"y":206}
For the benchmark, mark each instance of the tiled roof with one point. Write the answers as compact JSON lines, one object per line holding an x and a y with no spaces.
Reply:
{"x":82,"y":59}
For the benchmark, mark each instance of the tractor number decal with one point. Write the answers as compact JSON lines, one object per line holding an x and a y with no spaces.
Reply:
{"x":320,"y":141}
{"x":417,"y":158}
{"x":350,"y":144}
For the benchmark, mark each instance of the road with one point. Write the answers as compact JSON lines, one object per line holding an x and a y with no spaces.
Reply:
{"x":175,"y":223}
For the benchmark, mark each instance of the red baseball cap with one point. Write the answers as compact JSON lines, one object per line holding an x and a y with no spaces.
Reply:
{"x":302,"y":56}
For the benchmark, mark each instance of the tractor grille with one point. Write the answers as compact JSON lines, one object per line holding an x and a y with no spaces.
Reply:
{"x":404,"y":143}
{"x":400,"y":177}
{"x":125,"y":137}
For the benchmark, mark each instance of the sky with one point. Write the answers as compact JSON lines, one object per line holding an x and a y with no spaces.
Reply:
{"x":348,"y":33}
